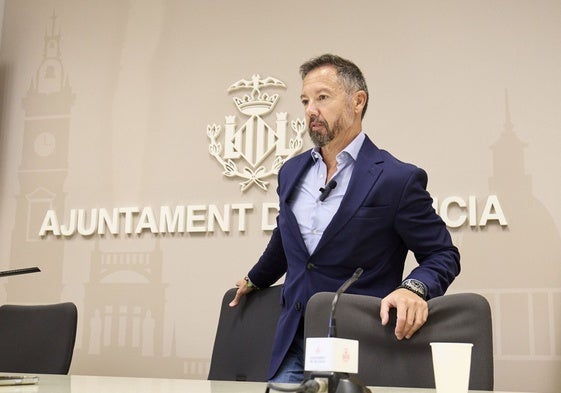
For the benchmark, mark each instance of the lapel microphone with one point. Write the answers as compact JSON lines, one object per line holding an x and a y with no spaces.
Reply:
{"x":325,"y":191}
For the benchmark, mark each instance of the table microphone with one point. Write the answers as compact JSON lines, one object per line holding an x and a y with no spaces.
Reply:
{"x":15,"y":272}
{"x":337,"y":380}
{"x":332,"y":328}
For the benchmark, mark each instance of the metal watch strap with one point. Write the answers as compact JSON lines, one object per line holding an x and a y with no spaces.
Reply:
{"x":415,"y":286}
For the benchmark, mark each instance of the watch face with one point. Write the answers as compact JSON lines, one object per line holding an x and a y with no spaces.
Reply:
{"x":415,"y":286}
{"x":44,"y":144}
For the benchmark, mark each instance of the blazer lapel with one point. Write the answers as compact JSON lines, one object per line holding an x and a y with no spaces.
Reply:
{"x":365,"y":174}
{"x":293,"y":174}
{"x":290,"y":179}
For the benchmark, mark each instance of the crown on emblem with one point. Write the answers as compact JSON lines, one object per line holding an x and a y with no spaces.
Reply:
{"x":255,"y":140}
{"x":256,"y":103}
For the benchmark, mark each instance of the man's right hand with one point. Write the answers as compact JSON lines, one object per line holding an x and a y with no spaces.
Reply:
{"x":243,"y":289}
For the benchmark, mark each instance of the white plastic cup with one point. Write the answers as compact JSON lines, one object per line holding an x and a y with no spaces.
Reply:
{"x":451,"y":363}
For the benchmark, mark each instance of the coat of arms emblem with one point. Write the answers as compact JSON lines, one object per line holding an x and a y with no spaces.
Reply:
{"x":250,"y":144}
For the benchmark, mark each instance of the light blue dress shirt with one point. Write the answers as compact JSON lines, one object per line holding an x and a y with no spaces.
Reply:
{"x":313,"y":215}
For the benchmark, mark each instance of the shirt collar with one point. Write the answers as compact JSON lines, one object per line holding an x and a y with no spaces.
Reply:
{"x":352,"y":148}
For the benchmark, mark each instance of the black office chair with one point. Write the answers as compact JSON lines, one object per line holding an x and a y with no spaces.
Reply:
{"x":37,"y":338}
{"x":244,"y":337}
{"x":386,"y":361}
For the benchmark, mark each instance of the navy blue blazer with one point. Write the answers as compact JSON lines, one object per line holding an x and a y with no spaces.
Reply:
{"x":385,"y":212}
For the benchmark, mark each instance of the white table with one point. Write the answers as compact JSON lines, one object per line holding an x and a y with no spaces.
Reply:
{"x":101,"y":384}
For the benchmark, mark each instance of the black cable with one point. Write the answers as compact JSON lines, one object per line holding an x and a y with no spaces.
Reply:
{"x":308,"y":386}
{"x":283,"y":388}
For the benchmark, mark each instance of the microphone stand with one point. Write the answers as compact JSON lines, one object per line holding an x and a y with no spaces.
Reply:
{"x":339,"y":382}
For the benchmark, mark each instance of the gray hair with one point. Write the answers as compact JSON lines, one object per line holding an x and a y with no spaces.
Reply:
{"x":348,"y":73}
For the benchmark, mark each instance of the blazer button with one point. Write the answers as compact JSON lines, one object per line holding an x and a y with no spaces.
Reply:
{"x":310,"y":266}
{"x":298,"y":306}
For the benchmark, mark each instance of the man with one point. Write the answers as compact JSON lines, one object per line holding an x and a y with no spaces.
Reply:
{"x":377,"y":211}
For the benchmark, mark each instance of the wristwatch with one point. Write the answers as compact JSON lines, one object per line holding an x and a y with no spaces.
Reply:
{"x":250,"y":284}
{"x":415,"y":286}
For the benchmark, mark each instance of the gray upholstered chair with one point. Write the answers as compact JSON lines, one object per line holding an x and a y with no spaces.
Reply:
{"x":37,"y":338}
{"x":386,"y":361}
{"x":244,"y":337}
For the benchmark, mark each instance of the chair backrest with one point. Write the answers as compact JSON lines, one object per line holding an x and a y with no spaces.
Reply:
{"x":244,"y":337}
{"x":37,"y":338}
{"x":386,"y":361}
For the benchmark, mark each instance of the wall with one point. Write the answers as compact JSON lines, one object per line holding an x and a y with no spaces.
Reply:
{"x":106,"y":108}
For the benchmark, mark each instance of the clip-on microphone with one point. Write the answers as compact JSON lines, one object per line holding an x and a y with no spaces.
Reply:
{"x":325,"y":191}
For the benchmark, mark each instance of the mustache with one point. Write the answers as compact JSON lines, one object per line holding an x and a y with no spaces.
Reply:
{"x":315,"y":119}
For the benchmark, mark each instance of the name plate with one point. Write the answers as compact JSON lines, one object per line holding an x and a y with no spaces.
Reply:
{"x":331,"y":354}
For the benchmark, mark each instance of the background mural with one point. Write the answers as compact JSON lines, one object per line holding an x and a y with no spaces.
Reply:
{"x":130,"y":139}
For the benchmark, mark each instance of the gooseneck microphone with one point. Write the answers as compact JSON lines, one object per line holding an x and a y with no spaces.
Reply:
{"x":15,"y":272}
{"x":326,"y":373}
{"x":325,"y":191}
{"x":332,"y":328}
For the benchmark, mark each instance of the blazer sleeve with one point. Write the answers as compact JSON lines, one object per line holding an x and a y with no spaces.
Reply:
{"x":271,"y":265}
{"x":426,"y":235}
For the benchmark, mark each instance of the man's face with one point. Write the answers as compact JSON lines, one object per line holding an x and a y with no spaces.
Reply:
{"x":326,"y":104}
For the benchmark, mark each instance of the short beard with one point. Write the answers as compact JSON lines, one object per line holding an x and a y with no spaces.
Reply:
{"x":321,"y":139}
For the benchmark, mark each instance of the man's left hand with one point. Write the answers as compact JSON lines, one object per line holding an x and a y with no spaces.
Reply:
{"x":412,"y":312}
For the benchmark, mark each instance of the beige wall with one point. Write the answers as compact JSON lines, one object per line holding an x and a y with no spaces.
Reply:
{"x":118,"y":118}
